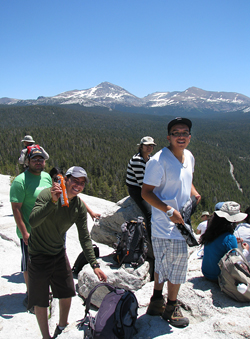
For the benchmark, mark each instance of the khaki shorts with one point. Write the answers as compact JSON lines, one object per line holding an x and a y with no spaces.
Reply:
{"x":45,"y":271}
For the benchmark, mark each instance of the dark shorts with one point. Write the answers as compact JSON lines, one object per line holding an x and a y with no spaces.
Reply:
{"x":45,"y":271}
{"x":25,"y":255}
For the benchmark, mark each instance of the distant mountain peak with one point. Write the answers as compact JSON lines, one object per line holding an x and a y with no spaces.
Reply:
{"x":112,"y":96}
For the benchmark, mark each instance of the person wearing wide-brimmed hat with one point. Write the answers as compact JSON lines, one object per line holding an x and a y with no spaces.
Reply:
{"x":219,"y":238}
{"x":28,"y":141}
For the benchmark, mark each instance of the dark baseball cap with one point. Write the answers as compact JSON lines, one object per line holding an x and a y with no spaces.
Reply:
{"x":36,"y":152}
{"x":179,"y":120}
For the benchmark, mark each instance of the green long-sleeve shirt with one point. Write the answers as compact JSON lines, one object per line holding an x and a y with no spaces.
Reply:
{"x":49,"y":222}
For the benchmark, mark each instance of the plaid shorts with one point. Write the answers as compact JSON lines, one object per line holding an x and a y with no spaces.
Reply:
{"x":171,"y":259}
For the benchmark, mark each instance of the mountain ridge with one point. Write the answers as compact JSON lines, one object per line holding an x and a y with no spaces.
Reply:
{"x":113,"y":96}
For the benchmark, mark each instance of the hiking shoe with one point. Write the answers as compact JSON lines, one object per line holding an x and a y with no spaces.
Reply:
{"x":174,"y":316}
{"x":156,"y":306}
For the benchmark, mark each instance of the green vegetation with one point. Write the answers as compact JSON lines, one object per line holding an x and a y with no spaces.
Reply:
{"x":103,"y":141}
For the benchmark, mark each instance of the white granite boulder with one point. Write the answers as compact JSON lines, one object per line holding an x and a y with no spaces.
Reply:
{"x":108,"y":226}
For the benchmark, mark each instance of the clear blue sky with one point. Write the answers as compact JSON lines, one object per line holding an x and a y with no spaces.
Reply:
{"x":52,"y":46}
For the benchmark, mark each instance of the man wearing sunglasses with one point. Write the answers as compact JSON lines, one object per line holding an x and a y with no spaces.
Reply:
{"x":48,"y":264}
{"x":23,"y":193}
{"x":167,"y":186}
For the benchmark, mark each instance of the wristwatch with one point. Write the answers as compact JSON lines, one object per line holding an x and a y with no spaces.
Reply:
{"x":95,"y":266}
{"x":170,"y":212}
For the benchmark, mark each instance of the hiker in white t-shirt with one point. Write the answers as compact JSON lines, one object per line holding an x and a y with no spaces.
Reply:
{"x":167,"y":186}
{"x":242,"y":232}
{"x":203,"y":225}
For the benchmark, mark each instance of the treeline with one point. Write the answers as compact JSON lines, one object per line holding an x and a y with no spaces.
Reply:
{"x":103,"y":141}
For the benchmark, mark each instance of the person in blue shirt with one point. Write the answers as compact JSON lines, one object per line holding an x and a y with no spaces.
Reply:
{"x":219,"y":238}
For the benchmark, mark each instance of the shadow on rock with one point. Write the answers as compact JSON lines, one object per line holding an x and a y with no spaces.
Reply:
{"x":156,"y":326}
{"x":219,"y":298}
{"x":11,"y":304}
{"x":16,"y":278}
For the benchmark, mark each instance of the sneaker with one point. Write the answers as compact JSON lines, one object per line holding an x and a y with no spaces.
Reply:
{"x":32,"y":310}
{"x":156,"y":306}
{"x":174,"y":316}
{"x":57,"y":331}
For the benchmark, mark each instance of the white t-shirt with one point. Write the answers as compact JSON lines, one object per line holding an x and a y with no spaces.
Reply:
{"x":172,"y":181}
{"x":202,"y":227}
{"x":243,"y":231}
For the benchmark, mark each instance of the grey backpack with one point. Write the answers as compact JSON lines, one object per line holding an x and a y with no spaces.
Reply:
{"x":116,"y":316}
{"x":235,"y":270}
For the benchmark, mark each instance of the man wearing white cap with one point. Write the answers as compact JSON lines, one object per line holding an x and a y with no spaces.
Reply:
{"x":48,"y":264}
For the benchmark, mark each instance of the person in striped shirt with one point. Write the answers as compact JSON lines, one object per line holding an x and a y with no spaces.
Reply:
{"x":135,"y":175}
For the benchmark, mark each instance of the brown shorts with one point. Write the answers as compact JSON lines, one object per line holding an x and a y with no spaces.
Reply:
{"x":45,"y":271}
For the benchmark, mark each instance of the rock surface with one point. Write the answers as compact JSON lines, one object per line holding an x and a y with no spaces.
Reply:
{"x":108,"y":226}
{"x":212,"y":314}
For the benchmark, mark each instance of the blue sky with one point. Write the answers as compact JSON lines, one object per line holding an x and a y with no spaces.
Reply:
{"x":49,"y":47}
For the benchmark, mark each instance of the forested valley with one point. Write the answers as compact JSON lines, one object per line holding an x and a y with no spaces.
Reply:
{"x":103,"y":141}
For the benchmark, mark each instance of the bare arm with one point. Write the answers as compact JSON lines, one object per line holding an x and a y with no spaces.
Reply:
{"x":16,"y":207}
{"x":195,"y":193}
{"x":91,"y":213}
{"x":148,"y":195}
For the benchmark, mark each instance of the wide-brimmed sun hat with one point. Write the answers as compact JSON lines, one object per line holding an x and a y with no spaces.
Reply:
{"x":230,"y":210}
{"x":28,"y":138}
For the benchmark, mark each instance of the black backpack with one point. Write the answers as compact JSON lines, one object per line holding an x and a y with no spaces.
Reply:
{"x":116,"y":316}
{"x":132,"y":244}
{"x":81,"y":260}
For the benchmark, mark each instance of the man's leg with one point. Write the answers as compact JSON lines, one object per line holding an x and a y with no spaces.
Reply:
{"x":173,"y":290}
{"x":42,"y":319}
{"x":25,"y":275}
{"x":64,"y":307}
{"x":157,"y":302}
{"x":172,"y":311}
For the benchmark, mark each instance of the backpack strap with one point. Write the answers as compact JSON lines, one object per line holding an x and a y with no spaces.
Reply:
{"x":239,"y":253}
{"x":119,"y":329}
{"x":88,"y":300}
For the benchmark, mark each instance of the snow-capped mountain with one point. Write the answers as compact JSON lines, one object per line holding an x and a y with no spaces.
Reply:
{"x":114,"y":97}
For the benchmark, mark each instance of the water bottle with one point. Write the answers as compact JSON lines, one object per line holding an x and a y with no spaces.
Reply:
{"x":242,"y":288}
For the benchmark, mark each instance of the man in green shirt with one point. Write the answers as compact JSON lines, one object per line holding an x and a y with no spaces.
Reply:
{"x":48,"y":264}
{"x":23,"y":193}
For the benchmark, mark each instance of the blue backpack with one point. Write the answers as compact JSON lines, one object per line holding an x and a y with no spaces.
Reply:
{"x":116,"y":316}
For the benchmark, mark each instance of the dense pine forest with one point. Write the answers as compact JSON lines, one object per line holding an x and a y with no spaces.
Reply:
{"x":103,"y":141}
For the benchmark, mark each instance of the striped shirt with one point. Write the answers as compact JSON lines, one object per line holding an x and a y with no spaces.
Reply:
{"x":135,"y":171}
